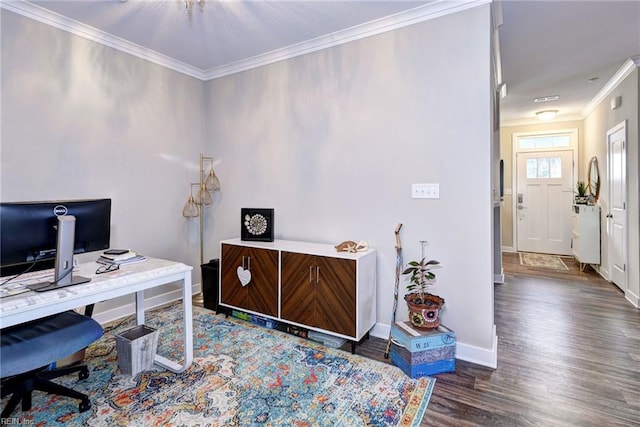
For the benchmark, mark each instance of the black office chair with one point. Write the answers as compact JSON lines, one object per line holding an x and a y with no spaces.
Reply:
{"x":30,"y":348}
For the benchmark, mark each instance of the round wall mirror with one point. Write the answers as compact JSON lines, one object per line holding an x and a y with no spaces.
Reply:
{"x":593,"y":176}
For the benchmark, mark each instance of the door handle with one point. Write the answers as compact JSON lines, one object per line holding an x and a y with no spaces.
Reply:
{"x":521,"y":207}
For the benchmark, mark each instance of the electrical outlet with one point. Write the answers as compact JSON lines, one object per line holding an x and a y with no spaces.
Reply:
{"x":425,"y":191}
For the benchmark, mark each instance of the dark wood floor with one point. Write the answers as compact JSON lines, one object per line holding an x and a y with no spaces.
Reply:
{"x":568,"y":355}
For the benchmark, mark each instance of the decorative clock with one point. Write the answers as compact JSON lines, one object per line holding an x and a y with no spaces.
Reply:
{"x":256,"y":224}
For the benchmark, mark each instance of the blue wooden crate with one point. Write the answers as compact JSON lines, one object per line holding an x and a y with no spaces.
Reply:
{"x":420,"y":340}
{"x":425,"y":356}
{"x":423,"y":369}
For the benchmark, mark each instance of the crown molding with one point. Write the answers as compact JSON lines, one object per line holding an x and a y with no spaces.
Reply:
{"x":536,"y":121}
{"x":393,"y":22}
{"x":419,"y":14}
{"x":72,"y":26}
{"x":622,"y":73}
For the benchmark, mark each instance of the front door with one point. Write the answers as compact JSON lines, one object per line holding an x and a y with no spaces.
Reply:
{"x":617,"y":215}
{"x":543,"y":201}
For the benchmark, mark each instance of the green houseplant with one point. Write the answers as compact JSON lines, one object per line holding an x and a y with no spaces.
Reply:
{"x":581,"y":197}
{"x":423,"y":306}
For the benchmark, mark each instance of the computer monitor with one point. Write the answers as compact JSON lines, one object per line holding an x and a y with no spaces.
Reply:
{"x":28,"y":231}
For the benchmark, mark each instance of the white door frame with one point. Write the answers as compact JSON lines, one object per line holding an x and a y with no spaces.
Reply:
{"x":609,"y":225}
{"x":572,"y":132}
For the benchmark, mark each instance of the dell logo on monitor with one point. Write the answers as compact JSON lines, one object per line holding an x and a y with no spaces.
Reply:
{"x":60,"y":210}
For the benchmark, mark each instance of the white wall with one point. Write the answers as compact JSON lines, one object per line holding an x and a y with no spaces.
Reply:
{"x":596,"y":126}
{"x":333,"y":141}
{"x":81,"y":120}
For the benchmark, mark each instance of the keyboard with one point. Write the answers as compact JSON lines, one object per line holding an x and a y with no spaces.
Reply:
{"x":18,"y":284}
{"x":40,"y":274}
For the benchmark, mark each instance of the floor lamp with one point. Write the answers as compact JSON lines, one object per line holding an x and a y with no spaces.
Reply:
{"x":209,"y":183}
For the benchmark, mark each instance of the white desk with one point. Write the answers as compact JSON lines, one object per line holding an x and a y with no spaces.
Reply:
{"x":132,"y":278}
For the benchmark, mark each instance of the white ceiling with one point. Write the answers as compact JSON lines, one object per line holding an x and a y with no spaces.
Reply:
{"x":555,"y":47}
{"x":546,"y":47}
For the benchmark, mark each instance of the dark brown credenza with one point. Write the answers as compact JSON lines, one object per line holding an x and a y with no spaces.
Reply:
{"x":309,"y":285}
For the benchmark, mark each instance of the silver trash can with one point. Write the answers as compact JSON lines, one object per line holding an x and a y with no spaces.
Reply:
{"x":136,"y":349}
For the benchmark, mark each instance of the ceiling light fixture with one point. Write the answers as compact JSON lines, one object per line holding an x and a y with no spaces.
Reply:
{"x":546,"y":114}
{"x":547,"y":98}
{"x":189,"y":3}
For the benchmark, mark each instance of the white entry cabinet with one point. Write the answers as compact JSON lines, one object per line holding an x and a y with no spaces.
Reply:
{"x":585,"y":241}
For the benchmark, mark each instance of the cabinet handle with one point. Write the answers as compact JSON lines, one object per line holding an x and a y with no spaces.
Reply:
{"x":609,"y":216}
{"x":310,"y":274}
{"x":248,"y":262}
{"x":317,"y":275}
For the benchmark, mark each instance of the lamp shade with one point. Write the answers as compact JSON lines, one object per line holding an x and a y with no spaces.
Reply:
{"x":190,"y":209}
{"x":212,"y":183}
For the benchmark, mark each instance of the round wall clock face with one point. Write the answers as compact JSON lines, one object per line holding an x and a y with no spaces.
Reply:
{"x":256,"y":224}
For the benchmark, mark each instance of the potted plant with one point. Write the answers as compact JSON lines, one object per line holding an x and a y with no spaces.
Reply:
{"x":581,"y":198}
{"x":423,"y":306}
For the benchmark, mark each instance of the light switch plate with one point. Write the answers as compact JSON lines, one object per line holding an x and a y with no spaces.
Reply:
{"x":425,"y":191}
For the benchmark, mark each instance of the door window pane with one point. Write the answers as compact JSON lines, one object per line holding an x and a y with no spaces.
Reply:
{"x":532,"y":169}
{"x":543,"y":167}
{"x":544,"y":141}
{"x":561,"y":141}
{"x":527,"y":143}
{"x":556,"y":167}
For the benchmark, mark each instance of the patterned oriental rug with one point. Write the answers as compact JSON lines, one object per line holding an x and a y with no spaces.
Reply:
{"x":242,"y":375}
{"x":553,"y":262}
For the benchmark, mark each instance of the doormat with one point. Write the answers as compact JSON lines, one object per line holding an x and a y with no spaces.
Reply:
{"x":552,"y":262}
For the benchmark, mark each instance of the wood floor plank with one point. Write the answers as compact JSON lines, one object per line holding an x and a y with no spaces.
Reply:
{"x":568,"y":355}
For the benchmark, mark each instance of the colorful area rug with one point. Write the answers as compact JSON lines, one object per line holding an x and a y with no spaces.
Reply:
{"x":242,"y":375}
{"x":553,"y":262}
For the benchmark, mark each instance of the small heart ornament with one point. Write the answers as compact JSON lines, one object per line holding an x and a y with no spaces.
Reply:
{"x":244,"y":276}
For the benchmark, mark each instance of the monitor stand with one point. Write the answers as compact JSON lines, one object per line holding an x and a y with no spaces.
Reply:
{"x":63,"y":272}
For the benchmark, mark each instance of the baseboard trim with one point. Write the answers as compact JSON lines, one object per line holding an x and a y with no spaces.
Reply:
{"x":106,"y":316}
{"x":632,"y":298}
{"x":381,"y":331}
{"x":468,"y":353}
{"x":478,"y":355}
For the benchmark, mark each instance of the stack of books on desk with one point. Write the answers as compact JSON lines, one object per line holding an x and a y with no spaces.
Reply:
{"x":128,"y":257}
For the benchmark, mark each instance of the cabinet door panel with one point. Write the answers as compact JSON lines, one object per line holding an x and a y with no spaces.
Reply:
{"x":232,"y":292}
{"x":262,"y":295}
{"x":298,"y":288}
{"x":336,"y":295}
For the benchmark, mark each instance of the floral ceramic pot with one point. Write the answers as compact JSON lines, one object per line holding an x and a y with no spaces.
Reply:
{"x":424,"y":314}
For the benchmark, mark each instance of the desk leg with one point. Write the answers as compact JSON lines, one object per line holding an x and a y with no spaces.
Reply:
{"x":187,"y":328}
{"x":140,"y":307}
